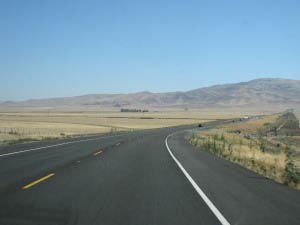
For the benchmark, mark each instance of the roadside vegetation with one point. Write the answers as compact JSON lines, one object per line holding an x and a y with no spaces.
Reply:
{"x":297,"y":113}
{"x":268,"y":145}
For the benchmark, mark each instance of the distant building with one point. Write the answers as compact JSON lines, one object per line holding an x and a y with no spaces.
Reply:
{"x":134,"y":110}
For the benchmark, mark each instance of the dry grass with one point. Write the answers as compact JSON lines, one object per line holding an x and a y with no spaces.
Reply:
{"x":251,"y":126}
{"x":12,"y":130}
{"x":252,"y":145}
{"x":244,"y":152}
{"x":26,"y":125}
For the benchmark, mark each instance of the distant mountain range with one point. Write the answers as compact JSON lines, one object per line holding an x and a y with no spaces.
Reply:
{"x":259,"y":93}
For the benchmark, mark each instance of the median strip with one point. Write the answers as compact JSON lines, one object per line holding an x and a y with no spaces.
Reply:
{"x":97,"y":153}
{"x":38,"y":181}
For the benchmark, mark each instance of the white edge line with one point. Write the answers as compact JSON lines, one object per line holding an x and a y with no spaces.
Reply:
{"x":65,"y":143}
{"x":212,"y":207}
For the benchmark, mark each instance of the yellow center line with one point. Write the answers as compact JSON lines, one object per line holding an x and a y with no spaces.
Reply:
{"x":97,"y":153}
{"x":38,"y":181}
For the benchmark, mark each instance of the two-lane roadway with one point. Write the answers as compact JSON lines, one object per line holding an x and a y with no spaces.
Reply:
{"x":134,"y":179}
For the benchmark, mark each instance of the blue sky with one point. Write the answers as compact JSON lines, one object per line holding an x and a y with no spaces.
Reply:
{"x":64,"y":48}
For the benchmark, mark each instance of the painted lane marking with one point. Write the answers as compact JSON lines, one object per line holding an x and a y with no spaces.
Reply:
{"x":97,"y":153}
{"x":38,"y":181}
{"x":209,"y":203}
{"x":61,"y":144}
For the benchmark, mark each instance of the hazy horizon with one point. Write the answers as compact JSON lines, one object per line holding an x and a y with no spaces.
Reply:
{"x":124,"y":93}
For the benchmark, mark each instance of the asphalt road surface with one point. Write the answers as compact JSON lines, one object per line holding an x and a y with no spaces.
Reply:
{"x":134,"y":179}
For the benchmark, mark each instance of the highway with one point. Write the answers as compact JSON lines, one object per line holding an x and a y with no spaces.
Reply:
{"x":146,"y":178}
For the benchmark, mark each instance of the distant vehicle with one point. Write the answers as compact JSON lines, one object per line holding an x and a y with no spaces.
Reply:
{"x":200,"y":125}
{"x":244,"y":118}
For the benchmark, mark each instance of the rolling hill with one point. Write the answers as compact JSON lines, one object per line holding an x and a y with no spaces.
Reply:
{"x":260,"y":93}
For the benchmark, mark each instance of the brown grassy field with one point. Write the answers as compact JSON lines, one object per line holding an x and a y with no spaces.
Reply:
{"x":22,"y":126}
{"x":256,"y":145}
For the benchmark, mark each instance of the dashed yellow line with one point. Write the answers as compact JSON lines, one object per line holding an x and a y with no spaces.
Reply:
{"x":97,"y":153}
{"x":38,"y":181}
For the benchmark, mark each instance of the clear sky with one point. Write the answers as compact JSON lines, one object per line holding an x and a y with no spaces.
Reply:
{"x":55,"y":48}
